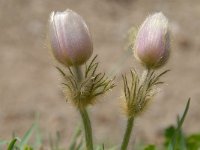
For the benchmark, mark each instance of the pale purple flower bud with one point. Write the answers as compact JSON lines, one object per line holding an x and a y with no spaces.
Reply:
{"x":152,"y":41}
{"x":70,"y":39}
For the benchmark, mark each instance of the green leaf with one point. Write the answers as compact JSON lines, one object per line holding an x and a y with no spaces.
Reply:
{"x":193,"y":142}
{"x":80,"y":145}
{"x":26,"y":137}
{"x":178,"y":136}
{"x":169,"y":132}
{"x":12,"y":144}
{"x":38,"y":138}
{"x":100,"y":147}
{"x":75,"y":137}
{"x":150,"y":147}
{"x":182,"y":142}
{"x":28,"y":148}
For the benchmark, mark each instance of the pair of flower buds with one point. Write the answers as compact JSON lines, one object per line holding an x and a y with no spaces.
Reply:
{"x":72,"y":45}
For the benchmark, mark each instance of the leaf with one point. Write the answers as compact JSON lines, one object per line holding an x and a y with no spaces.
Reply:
{"x":193,"y":142}
{"x":100,"y":147}
{"x":12,"y":144}
{"x":38,"y":138}
{"x":177,"y":134}
{"x":26,"y":137}
{"x":75,"y":136}
{"x":27,"y":148}
{"x":169,"y":132}
{"x":150,"y":147}
{"x":80,"y":145}
{"x":182,"y":142}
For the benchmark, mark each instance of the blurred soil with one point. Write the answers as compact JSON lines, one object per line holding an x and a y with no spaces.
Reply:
{"x":30,"y":84}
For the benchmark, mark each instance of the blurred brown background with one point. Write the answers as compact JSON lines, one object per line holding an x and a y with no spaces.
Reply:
{"x":29,"y":82}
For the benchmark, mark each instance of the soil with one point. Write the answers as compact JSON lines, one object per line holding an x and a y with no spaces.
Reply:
{"x":30,"y":84}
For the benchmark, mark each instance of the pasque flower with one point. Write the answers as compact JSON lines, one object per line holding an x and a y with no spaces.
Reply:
{"x":152,"y":41}
{"x":70,"y":39}
{"x":72,"y":46}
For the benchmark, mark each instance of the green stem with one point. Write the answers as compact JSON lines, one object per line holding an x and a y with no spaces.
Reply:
{"x":78,"y":73}
{"x":88,"y":129}
{"x":127,"y":134}
{"x":84,"y":114}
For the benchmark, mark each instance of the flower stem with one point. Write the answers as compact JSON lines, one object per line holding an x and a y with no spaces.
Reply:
{"x":84,"y":113}
{"x":127,"y":134}
{"x":88,"y":129}
{"x":78,"y":73}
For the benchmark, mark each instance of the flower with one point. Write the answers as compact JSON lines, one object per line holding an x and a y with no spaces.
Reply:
{"x":70,"y":39}
{"x":152,"y":41}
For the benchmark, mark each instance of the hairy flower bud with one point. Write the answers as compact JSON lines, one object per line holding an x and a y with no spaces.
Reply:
{"x":152,"y":41}
{"x":70,"y":38}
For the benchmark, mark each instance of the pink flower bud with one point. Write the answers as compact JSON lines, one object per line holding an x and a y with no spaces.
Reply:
{"x":152,"y":41}
{"x":70,"y":38}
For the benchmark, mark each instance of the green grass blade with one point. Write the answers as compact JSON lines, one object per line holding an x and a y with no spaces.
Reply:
{"x":100,"y":147}
{"x":150,"y":147}
{"x":26,"y":137}
{"x":75,"y":136}
{"x":184,"y":115}
{"x":12,"y":144}
{"x":38,"y":138}
{"x":80,"y":145}
{"x":182,"y":142}
{"x":173,"y":143}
